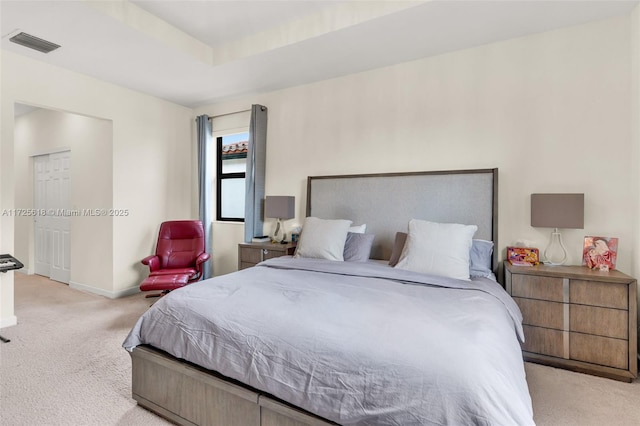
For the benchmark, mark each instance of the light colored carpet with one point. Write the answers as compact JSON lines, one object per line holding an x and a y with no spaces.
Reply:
{"x":65,"y":366}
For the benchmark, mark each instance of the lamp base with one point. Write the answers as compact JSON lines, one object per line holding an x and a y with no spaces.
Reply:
{"x":279,"y":236}
{"x":555,"y":254}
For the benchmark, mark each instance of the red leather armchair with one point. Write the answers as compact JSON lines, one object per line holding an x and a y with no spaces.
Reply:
{"x":179,"y":259}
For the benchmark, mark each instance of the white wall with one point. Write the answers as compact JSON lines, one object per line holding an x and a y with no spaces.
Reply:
{"x":551,"y":111}
{"x":90,"y":142}
{"x":152,"y":161}
{"x":7,"y":316}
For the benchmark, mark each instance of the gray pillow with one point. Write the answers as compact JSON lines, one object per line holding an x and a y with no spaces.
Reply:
{"x":357,"y":248}
{"x":480,"y":258}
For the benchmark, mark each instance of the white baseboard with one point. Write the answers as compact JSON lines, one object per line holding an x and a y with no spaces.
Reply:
{"x":101,"y":292}
{"x":8,"y":321}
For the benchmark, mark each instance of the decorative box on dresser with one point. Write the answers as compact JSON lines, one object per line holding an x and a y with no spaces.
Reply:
{"x":577,"y":318}
{"x":250,"y":254}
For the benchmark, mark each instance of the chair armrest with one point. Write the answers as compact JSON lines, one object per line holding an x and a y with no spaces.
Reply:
{"x":203,"y":257}
{"x":152,"y":261}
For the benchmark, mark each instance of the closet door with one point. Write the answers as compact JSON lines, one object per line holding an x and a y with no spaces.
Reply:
{"x":53,"y":195}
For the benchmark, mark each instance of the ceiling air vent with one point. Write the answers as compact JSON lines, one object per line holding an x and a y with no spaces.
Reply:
{"x":32,"y":42}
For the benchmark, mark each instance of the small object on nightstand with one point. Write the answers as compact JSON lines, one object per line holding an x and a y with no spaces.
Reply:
{"x":523,"y":256}
{"x":262,"y":239}
{"x":600,"y":253}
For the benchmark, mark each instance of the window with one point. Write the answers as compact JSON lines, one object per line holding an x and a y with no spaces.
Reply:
{"x":230,"y":182}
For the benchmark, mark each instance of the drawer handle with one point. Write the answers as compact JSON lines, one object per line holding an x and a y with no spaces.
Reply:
{"x":265,"y":251}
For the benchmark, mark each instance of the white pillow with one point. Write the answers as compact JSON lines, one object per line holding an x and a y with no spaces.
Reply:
{"x":359,"y":229}
{"x":438,"y":248}
{"x":323,"y":238}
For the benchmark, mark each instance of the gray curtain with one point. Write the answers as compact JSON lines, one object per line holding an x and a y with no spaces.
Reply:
{"x":256,"y":163}
{"x":205,"y":183}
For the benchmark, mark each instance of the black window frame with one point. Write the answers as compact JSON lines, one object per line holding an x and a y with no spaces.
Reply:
{"x":220,"y":177}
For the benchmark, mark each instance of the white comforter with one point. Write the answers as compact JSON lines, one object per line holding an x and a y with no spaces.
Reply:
{"x":356,"y":343}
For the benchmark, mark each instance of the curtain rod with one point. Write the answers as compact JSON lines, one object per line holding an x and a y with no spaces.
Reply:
{"x":229,"y":113}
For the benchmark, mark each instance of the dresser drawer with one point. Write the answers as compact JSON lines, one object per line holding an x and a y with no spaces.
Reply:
{"x":537,"y":287}
{"x":270,"y":253}
{"x":599,"y":321}
{"x":541,"y":313}
{"x":543,"y":341}
{"x":245,"y":265}
{"x":608,"y":295}
{"x":251,"y":255}
{"x":599,"y":350}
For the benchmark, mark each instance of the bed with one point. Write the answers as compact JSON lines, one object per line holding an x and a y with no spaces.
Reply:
{"x":311,"y":340}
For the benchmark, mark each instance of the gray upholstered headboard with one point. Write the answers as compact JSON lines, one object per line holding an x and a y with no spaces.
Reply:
{"x":386,"y":202}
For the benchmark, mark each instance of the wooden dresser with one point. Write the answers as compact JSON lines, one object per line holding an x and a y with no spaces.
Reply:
{"x":250,"y":254}
{"x":577,"y":318}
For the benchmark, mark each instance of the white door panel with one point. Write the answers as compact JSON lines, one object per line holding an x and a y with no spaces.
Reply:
{"x":41,"y":223}
{"x":53,"y":195}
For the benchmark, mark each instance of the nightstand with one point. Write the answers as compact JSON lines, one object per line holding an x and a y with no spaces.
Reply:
{"x":577,"y":318}
{"x":250,"y":254}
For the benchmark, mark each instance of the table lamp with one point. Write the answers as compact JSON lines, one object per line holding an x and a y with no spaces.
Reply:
{"x":557,"y":211}
{"x":280,"y":207}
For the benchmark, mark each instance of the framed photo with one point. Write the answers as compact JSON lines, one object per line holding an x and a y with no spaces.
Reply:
{"x":600,"y":253}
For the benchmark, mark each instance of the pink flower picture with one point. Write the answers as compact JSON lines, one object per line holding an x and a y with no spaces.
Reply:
{"x":600,"y":253}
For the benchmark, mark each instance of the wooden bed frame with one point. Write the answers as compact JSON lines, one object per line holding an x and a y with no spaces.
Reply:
{"x":190,"y":395}
{"x":187,"y":394}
